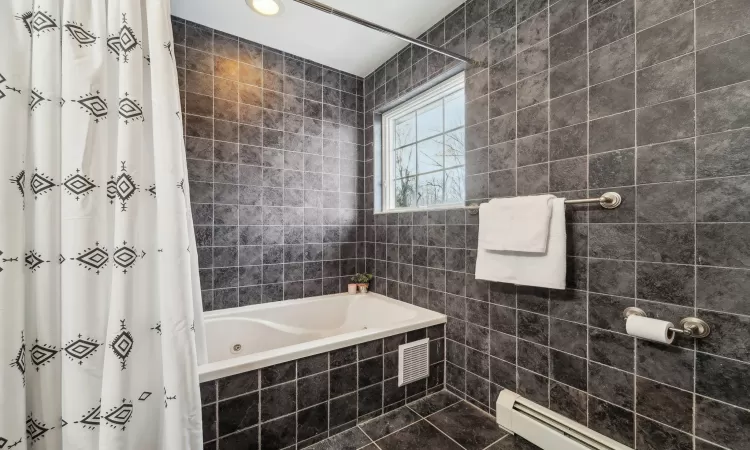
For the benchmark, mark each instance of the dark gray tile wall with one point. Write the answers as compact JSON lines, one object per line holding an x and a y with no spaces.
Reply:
{"x":649,"y":98}
{"x":298,"y":403}
{"x":274,"y":147}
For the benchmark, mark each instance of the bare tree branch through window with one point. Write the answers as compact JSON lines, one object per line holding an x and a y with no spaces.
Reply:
{"x":427,"y":152}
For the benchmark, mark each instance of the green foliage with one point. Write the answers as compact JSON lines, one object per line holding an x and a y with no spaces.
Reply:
{"x":361,"y":278}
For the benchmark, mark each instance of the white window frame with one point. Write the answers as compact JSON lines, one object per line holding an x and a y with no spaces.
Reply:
{"x":447,"y":87}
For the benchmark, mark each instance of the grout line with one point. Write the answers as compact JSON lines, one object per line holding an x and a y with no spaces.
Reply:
{"x":459,"y":399}
{"x":443,"y":432}
{"x":506,"y":435}
{"x":657,"y":263}
{"x":588,"y":218}
{"x":576,"y":92}
{"x":483,"y":411}
{"x":515,"y":168}
{"x":719,"y":88}
{"x":549,"y":167}
{"x":392,"y":432}
{"x":237,"y":161}
{"x":213,"y":189}
{"x":637,"y":31}
{"x":549,"y":151}
{"x":696,"y":49}
{"x":695,"y":216}
{"x":358,"y":426}
{"x":696,"y":440}
{"x":636,"y":414}
{"x":603,"y":224}
{"x":603,"y":10}
{"x":564,"y":30}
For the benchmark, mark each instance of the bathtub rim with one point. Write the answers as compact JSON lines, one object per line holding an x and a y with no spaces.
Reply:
{"x":234,"y":366}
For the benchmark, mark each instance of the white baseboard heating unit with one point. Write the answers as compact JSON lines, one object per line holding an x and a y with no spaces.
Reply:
{"x":547,"y":429}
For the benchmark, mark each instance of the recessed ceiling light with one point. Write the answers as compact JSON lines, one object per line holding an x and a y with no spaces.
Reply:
{"x":266,"y":7}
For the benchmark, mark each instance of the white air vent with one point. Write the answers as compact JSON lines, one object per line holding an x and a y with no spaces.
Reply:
{"x":547,"y":429}
{"x":413,"y":361}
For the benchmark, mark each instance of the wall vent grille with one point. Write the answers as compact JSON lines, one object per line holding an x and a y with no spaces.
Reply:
{"x":413,"y":361}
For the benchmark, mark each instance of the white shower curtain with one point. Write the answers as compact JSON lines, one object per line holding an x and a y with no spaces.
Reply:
{"x":99,"y":294}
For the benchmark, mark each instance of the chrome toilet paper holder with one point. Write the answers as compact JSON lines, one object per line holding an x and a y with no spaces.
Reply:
{"x":692,"y":327}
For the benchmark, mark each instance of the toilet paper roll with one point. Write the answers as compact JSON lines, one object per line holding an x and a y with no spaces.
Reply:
{"x":651,"y":329}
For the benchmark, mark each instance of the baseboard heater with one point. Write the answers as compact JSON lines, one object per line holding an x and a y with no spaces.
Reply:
{"x":547,"y":429}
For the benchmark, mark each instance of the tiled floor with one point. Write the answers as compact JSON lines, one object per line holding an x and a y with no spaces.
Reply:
{"x":439,"y":422}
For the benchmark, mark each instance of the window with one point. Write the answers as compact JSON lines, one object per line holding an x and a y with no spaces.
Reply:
{"x":424,"y":149}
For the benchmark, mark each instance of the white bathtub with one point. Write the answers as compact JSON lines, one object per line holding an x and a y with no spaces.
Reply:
{"x":278,"y":332}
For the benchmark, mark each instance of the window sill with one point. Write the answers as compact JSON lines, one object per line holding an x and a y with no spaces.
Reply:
{"x":413,"y":210}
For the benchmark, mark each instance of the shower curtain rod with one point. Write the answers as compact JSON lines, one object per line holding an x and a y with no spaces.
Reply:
{"x":335,"y":12}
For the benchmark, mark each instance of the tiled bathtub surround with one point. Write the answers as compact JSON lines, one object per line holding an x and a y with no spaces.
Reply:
{"x":649,"y":98}
{"x":302,"y":402}
{"x":274,"y":160}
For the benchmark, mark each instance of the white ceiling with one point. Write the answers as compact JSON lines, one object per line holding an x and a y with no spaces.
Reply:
{"x":312,"y":34}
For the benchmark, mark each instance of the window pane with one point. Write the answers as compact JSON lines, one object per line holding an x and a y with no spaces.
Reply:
{"x":455,"y":148}
{"x":430,"y":155}
{"x":405,"y":162}
{"x":404,"y":131}
{"x":454,"y":110}
{"x":454,"y":185}
{"x":430,"y":189}
{"x":430,"y":120}
{"x":405,"y":192}
{"x":424,"y":149}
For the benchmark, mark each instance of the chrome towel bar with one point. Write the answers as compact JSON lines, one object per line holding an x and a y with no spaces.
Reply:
{"x":608,"y":200}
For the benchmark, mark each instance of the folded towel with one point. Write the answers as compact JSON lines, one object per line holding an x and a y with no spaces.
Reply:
{"x":529,"y":269}
{"x":518,"y":224}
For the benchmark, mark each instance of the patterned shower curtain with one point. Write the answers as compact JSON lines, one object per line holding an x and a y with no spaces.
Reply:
{"x":99,"y":293}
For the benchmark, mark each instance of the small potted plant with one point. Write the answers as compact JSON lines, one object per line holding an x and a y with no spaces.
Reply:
{"x":362,"y":280}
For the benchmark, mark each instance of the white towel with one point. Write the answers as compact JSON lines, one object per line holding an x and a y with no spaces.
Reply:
{"x":518,"y":224}
{"x":529,"y":269}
